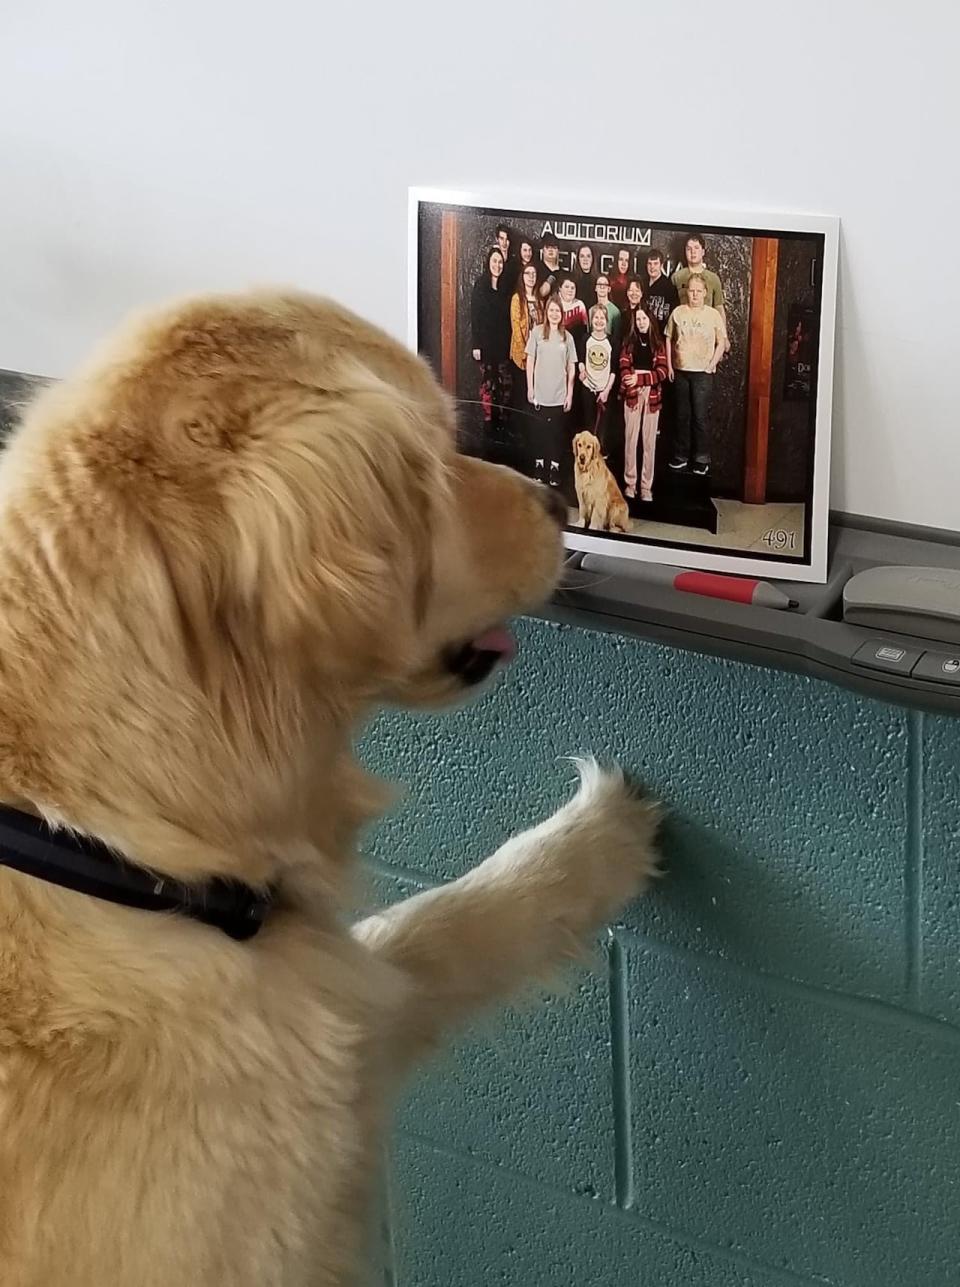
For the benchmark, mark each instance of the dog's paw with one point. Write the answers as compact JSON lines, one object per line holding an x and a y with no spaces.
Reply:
{"x":605,"y":841}
{"x":620,"y":808}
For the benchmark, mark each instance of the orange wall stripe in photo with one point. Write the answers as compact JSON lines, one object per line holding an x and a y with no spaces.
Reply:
{"x":449,"y":240}
{"x":763,"y":303}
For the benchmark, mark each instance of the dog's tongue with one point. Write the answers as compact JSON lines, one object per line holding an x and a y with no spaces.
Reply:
{"x":498,"y":640}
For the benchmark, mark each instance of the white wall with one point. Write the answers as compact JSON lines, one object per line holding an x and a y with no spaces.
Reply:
{"x":152,"y":148}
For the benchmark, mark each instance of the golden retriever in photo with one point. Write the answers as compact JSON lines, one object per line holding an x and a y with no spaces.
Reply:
{"x":223,"y":545}
{"x":602,"y":507}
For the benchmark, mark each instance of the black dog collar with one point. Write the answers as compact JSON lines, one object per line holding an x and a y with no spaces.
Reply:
{"x":28,"y":845}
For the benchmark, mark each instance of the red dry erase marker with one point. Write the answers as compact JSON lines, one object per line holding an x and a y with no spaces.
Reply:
{"x":739,"y":589}
{"x":714,"y":585}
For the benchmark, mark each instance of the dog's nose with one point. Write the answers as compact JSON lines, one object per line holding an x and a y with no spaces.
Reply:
{"x":554,"y":504}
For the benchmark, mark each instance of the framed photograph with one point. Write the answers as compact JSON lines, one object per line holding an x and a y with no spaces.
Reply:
{"x":669,"y":370}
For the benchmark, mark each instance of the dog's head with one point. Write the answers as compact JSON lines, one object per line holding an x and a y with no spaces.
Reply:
{"x":586,"y":449}
{"x":245,"y":524}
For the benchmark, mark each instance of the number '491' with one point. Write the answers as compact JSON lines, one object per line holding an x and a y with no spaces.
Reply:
{"x":779,"y":539}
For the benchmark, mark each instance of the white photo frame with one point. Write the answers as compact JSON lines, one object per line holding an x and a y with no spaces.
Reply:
{"x":764,"y":381}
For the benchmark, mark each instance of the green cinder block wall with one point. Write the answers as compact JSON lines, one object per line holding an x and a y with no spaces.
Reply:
{"x":759,"y":1084}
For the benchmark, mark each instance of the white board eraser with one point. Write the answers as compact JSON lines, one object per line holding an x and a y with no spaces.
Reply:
{"x":906,"y":600}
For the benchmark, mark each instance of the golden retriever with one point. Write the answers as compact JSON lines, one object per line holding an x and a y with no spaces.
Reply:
{"x":602,"y":506}
{"x":222,"y":545}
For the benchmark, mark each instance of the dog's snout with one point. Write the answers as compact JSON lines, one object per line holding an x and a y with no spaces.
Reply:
{"x":554,"y":504}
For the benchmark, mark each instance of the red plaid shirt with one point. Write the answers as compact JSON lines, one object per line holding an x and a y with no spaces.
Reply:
{"x":645,"y":378}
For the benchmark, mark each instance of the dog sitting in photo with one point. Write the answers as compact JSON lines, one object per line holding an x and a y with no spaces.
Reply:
{"x":223,"y":546}
{"x":602,"y":506}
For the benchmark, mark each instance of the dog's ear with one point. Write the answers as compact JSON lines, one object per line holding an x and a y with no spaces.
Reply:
{"x":319,"y":545}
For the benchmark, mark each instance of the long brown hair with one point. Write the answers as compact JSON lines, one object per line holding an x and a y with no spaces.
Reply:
{"x":654,"y":335}
{"x":521,"y":292}
{"x":488,"y":275}
{"x":561,"y":329}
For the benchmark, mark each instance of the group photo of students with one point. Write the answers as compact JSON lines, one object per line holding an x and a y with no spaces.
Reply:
{"x":563,"y":344}
{"x":677,"y":362}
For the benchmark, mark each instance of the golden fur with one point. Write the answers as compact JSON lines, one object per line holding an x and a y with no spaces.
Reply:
{"x":602,"y":506}
{"x":222,"y":545}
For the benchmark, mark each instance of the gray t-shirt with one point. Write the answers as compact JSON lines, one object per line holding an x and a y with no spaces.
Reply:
{"x":551,"y":361}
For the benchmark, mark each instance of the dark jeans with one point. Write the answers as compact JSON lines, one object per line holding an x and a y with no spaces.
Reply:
{"x":518,"y":390}
{"x":522,"y":423}
{"x":591,"y":420}
{"x":549,"y":445}
{"x":692,"y":431}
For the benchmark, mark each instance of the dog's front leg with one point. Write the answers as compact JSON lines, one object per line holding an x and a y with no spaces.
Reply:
{"x":522,"y":912}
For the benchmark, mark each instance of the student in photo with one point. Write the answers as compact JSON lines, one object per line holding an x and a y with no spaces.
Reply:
{"x":550,"y":266}
{"x":526,"y":255}
{"x":643,"y":370}
{"x":490,"y":328}
{"x":659,"y":293}
{"x":526,"y":314}
{"x":695,"y":250}
{"x":551,"y":368}
{"x":585,"y":275}
{"x":620,"y":278}
{"x":632,"y":299}
{"x":575,"y":324}
{"x":511,"y":268}
{"x":574,"y":311}
{"x":613,"y":313}
{"x":696,"y":341}
{"x":597,"y":374}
